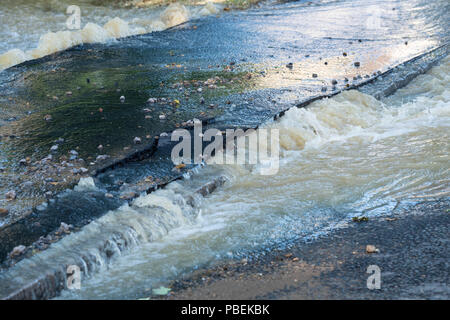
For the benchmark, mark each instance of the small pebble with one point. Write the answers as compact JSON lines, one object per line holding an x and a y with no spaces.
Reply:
{"x":10,"y":195}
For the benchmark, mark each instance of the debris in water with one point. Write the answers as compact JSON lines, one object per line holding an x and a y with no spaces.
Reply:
{"x":3,"y":212}
{"x":360,"y":219}
{"x":161,"y":291}
{"x":17,"y":251}
{"x":290,"y":65}
{"x":122,"y":99}
{"x":11,"y":195}
{"x":128,"y":196}
{"x":357,"y":64}
{"x":137,"y":140}
{"x":314,"y":75}
{"x":372,"y":249}
{"x":47,"y":117}
{"x":102,"y":157}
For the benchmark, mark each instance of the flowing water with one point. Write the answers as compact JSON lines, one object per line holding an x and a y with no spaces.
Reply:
{"x":346,"y":156}
{"x":341,"y":157}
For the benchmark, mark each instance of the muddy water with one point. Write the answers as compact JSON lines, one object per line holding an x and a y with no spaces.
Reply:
{"x":347,"y":156}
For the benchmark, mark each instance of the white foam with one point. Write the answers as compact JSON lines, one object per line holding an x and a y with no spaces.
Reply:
{"x":115,"y":28}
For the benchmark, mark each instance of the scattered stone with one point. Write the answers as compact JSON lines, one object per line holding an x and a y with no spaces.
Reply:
{"x":314,"y":75}
{"x":128,"y":196}
{"x":357,"y":64}
{"x":333,"y":82}
{"x":372,"y":249}
{"x":17,"y":251}
{"x":137,"y":140}
{"x":10,"y":195}
{"x":290,"y":65}
{"x":84,"y":170}
{"x":344,"y":54}
{"x":324,"y":89}
{"x":102,"y":157}
{"x":54,"y":148}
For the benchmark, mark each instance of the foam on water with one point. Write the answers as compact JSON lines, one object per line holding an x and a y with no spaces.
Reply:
{"x":149,"y":20}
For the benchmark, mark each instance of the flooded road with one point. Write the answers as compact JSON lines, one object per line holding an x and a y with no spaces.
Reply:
{"x":344,"y":156}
